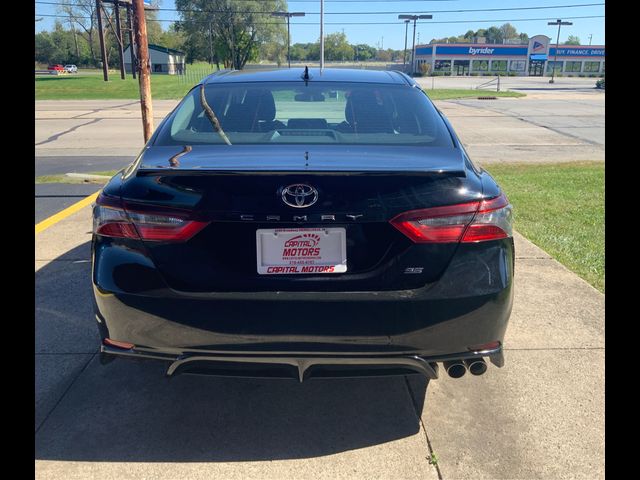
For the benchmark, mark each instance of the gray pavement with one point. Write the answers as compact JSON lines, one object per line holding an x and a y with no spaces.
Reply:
{"x":524,"y":84}
{"x":50,"y":198}
{"x":547,"y":125}
{"x":61,"y":164}
{"x":541,"y":416}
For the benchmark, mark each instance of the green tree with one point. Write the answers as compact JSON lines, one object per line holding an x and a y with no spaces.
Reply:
{"x":273,"y":52}
{"x":44,"y":47}
{"x":298,"y":52}
{"x":572,"y":40}
{"x":364,"y":52}
{"x":233,"y":27}
{"x":82,"y":17}
{"x":171,"y":38}
{"x":337,"y":48}
{"x":508,"y":32}
{"x":494,"y":35}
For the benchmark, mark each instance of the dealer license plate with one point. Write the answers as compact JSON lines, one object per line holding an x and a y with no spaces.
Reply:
{"x":290,"y":251}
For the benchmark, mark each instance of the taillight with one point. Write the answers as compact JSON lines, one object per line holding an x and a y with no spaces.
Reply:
{"x":112,"y":219}
{"x":469,"y":222}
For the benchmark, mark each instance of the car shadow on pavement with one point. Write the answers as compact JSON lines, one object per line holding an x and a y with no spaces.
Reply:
{"x":128,"y":411}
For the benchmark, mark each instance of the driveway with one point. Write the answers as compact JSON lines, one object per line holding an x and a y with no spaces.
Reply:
{"x":541,"y":416}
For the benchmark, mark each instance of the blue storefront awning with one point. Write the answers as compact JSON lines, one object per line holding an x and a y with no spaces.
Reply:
{"x":541,"y":57}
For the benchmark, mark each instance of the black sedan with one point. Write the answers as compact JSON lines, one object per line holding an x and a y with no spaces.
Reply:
{"x":304,"y":223}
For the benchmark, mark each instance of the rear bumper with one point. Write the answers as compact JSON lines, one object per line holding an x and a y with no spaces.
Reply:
{"x":304,"y":331}
{"x":300,"y":367}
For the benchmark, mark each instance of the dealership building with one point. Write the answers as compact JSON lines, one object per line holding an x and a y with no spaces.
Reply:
{"x":537,"y":58}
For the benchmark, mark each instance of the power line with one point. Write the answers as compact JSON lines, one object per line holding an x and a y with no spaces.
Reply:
{"x":359,"y":23}
{"x":537,"y":7}
{"x":312,"y":1}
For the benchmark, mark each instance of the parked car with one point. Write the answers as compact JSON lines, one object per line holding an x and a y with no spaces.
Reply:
{"x":56,"y":68}
{"x":298,"y":223}
{"x":71,"y":69}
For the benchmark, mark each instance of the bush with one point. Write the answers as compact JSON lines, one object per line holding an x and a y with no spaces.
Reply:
{"x":512,"y":74}
{"x":474,"y":74}
{"x":581,"y":75}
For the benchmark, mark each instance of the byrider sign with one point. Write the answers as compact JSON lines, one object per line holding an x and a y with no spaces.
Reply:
{"x":476,"y":50}
{"x":481,"y":51}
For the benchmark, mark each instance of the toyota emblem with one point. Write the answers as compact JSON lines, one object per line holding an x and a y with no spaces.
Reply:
{"x":299,"y":195}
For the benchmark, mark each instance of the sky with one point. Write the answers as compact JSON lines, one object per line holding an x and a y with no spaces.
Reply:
{"x":384,"y":30}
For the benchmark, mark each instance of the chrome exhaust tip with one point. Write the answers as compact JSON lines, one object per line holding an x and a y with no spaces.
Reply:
{"x":455,"y":368}
{"x":477,"y":366}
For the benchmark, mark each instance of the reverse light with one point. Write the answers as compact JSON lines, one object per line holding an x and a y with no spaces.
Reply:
{"x":117,"y":344}
{"x":484,"y":346}
{"x":478,"y":221}
{"x":112,"y":219}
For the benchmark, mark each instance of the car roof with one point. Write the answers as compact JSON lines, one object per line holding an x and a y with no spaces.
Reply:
{"x":315,"y":75}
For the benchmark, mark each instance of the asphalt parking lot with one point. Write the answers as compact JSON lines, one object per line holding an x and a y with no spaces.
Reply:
{"x":541,"y":416}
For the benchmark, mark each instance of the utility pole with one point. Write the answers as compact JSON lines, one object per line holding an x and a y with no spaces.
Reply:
{"x":116,"y":6}
{"x":143,"y":69}
{"x":558,"y":22}
{"x":404,"y":54}
{"x":103,"y":50}
{"x":288,"y":16}
{"x":413,"y":49}
{"x":321,"y":35}
{"x":132,"y":43}
{"x":590,"y":37}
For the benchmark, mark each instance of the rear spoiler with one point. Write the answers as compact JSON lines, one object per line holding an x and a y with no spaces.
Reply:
{"x":143,"y":172}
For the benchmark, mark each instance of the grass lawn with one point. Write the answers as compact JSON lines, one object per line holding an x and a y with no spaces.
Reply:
{"x":560,"y":208}
{"x":169,"y":87}
{"x":61,"y":178}
{"x":93,"y":87}
{"x":448,"y":94}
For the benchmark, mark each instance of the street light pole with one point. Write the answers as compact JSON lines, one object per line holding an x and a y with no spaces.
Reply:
{"x":413,"y":48}
{"x":558,"y":22}
{"x":404,"y":55}
{"x":288,"y":16}
{"x":415,"y":18}
{"x":321,"y":35}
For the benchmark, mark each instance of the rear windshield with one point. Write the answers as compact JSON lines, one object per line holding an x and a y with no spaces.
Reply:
{"x":321,"y":113}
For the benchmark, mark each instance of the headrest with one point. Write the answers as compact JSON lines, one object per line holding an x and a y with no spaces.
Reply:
{"x":263,"y":101}
{"x":361,"y":103}
{"x":366,"y":114}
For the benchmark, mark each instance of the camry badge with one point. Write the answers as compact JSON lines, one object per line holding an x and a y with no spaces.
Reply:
{"x":299,"y":195}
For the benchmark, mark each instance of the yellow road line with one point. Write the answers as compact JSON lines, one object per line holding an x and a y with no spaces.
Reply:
{"x":53,"y":219}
